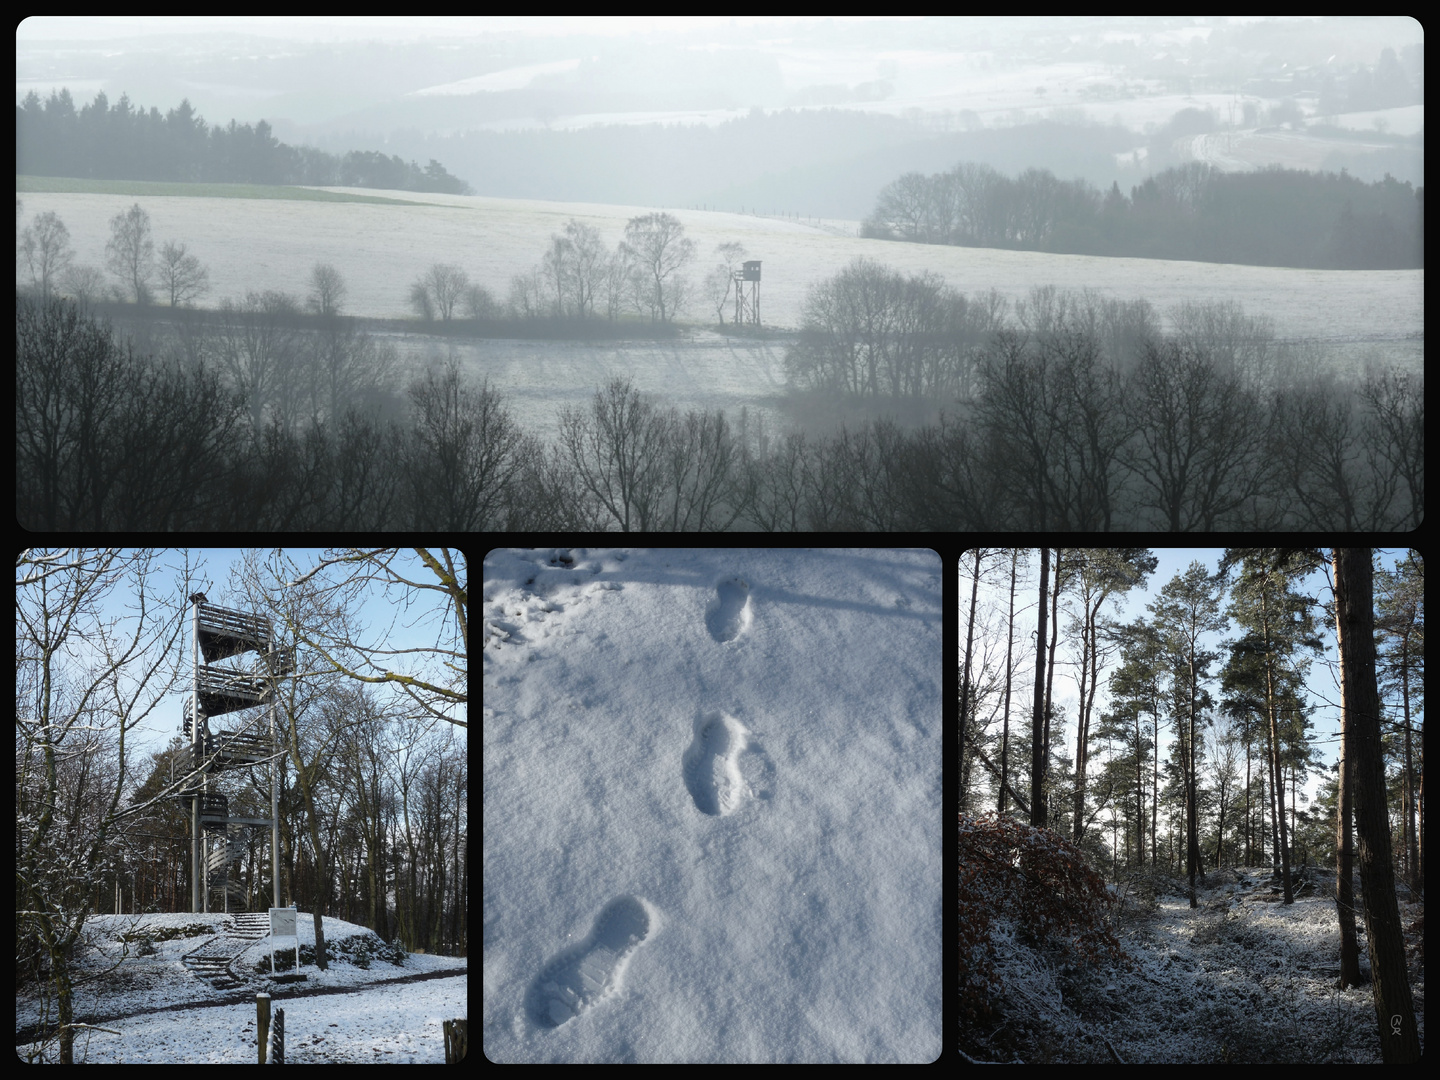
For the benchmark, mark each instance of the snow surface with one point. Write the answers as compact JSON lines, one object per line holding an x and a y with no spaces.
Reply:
{"x":393,"y":1024}
{"x":712,"y":805}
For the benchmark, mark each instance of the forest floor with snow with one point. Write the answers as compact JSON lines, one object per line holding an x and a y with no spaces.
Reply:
{"x":159,"y":1012}
{"x":1242,"y":978}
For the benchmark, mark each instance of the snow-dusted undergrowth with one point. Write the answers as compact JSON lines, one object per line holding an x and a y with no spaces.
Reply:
{"x":1241,"y":978}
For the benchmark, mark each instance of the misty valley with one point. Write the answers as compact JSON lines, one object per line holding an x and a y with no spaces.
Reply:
{"x":1034,"y":315}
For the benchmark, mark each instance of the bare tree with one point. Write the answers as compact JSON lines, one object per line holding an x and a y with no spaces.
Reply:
{"x":70,"y":383}
{"x":479,"y":304}
{"x":529,"y":295}
{"x":721,"y":277}
{"x":616,"y":450}
{"x":446,"y":447}
{"x":615,"y":278}
{"x":443,"y":285}
{"x":502,"y":458}
{"x":1325,"y":445}
{"x":436,"y":597}
{"x":906,"y":209}
{"x":660,"y":251}
{"x":45,"y":243}
{"x":327,"y":290}
{"x":1355,"y":614}
{"x":573,"y":267}
{"x":775,"y":480}
{"x":85,"y":283}
{"x":347,"y":367}
{"x":1199,"y":446}
{"x":72,"y":721}
{"x":181,"y":274}
{"x":173,"y":446}
{"x":130,"y":252}
{"x":555,"y":268}
{"x":257,"y":346}
{"x":703,"y":466}
{"x":587,"y":265}
{"x":365,"y":476}
{"x":420,"y":300}
{"x":1394,"y":438}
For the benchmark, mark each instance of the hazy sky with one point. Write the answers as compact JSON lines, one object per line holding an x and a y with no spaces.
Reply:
{"x":399,"y":28}
{"x":356,"y":71}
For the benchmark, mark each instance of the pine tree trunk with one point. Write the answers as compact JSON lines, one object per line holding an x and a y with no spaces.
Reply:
{"x":1038,"y":749}
{"x":1278,"y":770}
{"x":1345,"y":852}
{"x":1050,"y":665}
{"x":1077,"y":800}
{"x":1412,"y":857}
{"x":1192,"y":842}
{"x":965,"y":679}
{"x":1394,"y":1004}
{"x":1009,"y":655}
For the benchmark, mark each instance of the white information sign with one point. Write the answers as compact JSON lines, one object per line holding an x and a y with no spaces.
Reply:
{"x":282,"y":923}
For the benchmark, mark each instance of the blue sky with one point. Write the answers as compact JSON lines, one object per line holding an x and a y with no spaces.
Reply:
{"x":215,"y":572}
{"x":1321,"y":683}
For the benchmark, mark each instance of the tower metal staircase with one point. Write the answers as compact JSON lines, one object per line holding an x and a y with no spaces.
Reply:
{"x":221,"y":634}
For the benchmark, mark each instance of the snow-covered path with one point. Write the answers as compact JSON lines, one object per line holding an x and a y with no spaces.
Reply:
{"x":712,"y":806}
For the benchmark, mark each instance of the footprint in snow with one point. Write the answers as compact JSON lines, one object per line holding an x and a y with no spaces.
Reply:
{"x":729,"y":613}
{"x":724,"y":764}
{"x":580,"y":977}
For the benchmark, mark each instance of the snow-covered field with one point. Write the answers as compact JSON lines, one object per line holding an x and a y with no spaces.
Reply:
{"x":712,"y":805}
{"x":272,"y":244}
{"x":145,"y":1000}
{"x":1361,"y":316}
{"x":1255,"y":148}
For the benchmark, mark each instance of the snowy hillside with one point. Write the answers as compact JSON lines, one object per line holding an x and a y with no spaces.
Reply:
{"x":366,"y":1008}
{"x":712,"y":806}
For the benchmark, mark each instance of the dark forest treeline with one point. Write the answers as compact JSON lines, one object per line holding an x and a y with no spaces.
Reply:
{"x":1272,"y":217}
{"x":244,"y":423}
{"x":1073,"y":423}
{"x":122,"y":142}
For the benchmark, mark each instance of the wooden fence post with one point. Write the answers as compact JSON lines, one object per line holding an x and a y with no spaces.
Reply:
{"x":457,"y":1038}
{"x":279,"y":1036}
{"x":262,"y":1022}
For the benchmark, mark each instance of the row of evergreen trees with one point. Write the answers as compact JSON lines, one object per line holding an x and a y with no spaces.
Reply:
{"x":122,"y":142}
{"x":1272,"y":217}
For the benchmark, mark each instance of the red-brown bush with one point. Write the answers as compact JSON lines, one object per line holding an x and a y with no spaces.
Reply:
{"x":1039,"y":880}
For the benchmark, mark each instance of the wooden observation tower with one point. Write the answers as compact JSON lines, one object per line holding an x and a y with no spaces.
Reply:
{"x":222,"y":634}
{"x":747,"y":301}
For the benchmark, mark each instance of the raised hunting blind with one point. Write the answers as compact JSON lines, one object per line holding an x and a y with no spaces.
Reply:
{"x":747,"y":300}
{"x":217,"y":837}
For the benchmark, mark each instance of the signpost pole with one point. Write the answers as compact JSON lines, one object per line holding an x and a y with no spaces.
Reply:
{"x":282,"y":921}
